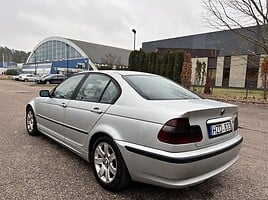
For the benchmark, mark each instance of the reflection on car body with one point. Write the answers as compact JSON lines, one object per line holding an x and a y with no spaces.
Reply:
{"x":138,"y":126}
{"x":51,"y":78}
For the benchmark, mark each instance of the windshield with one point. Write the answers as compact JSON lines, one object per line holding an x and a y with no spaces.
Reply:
{"x":158,"y":88}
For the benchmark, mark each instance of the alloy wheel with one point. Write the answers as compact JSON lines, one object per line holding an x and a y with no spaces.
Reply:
{"x":105,"y":162}
{"x":30,"y":121}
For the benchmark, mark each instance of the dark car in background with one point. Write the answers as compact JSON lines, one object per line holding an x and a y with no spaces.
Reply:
{"x":51,"y":78}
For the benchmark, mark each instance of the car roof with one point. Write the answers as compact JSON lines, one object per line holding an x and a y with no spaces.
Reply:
{"x":120,"y":72}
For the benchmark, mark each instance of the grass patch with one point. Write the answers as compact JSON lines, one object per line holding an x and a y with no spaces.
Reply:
{"x":43,"y":85}
{"x":231,"y":92}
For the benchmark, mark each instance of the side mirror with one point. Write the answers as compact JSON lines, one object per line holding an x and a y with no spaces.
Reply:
{"x":44,"y":93}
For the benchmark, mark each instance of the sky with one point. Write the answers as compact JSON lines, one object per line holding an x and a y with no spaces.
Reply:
{"x":25,"y":23}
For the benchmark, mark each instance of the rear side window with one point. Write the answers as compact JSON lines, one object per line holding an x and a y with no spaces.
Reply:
{"x":158,"y":88}
{"x":93,"y":88}
{"x":110,"y":94}
{"x":98,"y":88}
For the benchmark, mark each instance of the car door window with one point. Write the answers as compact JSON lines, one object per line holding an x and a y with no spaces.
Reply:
{"x":93,"y":88}
{"x":110,"y":94}
{"x":66,"y":89}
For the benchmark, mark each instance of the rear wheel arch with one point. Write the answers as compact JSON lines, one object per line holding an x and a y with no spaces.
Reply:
{"x":94,"y":138}
{"x":103,"y":130}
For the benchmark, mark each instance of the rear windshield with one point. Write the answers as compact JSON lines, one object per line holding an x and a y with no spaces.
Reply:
{"x":158,"y":88}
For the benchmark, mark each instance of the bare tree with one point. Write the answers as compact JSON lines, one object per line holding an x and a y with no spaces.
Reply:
{"x":246,"y":18}
{"x":111,"y":60}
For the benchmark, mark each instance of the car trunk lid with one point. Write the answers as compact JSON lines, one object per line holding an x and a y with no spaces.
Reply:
{"x":216,"y":119}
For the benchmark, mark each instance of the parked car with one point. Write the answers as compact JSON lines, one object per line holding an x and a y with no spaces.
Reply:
{"x":51,"y":78}
{"x":138,"y":126}
{"x":28,"y":77}
{"x":15,"y":77}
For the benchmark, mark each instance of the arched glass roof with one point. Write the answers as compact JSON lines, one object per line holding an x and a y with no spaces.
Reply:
{"x":53,"y":50}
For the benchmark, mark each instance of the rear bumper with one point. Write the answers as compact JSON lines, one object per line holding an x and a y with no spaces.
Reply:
{"x":176,"y":170}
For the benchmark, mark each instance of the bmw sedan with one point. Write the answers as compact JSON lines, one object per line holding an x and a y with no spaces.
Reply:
{"x":138,"y":126}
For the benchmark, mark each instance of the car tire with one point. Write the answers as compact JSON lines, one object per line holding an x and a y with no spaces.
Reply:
{"x":47,"y":82}
{"x":31,"y":122}
{"x":108,"y":165}
{"x":25,"y":80}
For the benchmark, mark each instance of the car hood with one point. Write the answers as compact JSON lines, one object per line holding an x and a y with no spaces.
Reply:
{"x":160,"y":111}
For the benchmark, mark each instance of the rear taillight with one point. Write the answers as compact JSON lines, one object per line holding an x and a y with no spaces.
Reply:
{"x":179,"y":131}
{"x":236,"y":122}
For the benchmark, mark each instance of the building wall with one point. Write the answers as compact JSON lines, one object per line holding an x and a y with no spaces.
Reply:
{"x":238,"y":71}
{"x":193,"y":80}
{"x":219,"y":71}
{"x":227,"y":42}
{"x":41,"y":68}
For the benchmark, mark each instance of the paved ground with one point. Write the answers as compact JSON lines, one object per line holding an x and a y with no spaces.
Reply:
{"x":38,"y":168}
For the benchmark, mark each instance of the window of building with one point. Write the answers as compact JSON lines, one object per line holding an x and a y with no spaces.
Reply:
{"x":212,"y":64}
{"x":253,"y":64}
{"x":226,"y":71}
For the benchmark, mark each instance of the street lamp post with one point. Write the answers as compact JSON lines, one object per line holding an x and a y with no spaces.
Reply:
{"x":3,"y":56}
{"x":134,"y":31}
{"x":35,"y":62}
{"x":67,"y":57}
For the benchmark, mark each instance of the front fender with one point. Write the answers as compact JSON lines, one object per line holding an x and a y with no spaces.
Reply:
{"x":32,"y":105}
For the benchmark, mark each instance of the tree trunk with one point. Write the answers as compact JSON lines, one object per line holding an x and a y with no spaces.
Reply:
{"x":265,"y":87}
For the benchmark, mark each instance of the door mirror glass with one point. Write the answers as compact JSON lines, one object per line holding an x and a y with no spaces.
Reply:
{"x":44,"y":93}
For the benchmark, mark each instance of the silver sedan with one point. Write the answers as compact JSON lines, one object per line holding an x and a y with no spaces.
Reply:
{"x":138,"y":126}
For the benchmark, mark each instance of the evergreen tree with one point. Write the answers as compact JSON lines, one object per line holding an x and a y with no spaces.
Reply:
{"x":149,"y":59}
{"x":157,"y":64}
{"x":164,"y":62}
{"x":177,"y":66}
{"x":11,"y":55}
{"x":133,"y":61}
{"x":170,"y":65}
{"x":153,"y":62}
{"x":142,"y":57}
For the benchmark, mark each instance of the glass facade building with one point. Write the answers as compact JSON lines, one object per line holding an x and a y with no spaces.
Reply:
{"x":65,"y":56}
{"x":53,"y":50}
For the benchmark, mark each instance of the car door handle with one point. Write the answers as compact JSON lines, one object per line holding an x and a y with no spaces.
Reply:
{"x":96,"y":110}
{"x":63,"y":105}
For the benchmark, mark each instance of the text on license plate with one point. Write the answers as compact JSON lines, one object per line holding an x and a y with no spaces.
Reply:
{"x":219,"y":129}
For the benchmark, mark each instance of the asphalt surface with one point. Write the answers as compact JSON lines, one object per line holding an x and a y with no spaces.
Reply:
{"x":39,"y":168}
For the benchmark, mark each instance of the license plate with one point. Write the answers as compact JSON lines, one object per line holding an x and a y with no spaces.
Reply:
{"x":220,"y":129}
